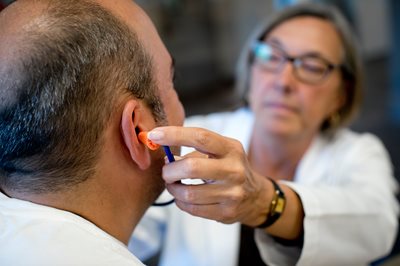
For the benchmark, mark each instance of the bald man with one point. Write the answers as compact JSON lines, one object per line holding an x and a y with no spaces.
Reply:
{"x":78,"y":81}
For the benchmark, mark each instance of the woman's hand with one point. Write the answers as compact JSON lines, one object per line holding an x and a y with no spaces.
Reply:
{"x":232,"y":191}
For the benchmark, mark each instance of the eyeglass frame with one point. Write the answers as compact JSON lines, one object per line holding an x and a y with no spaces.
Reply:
{"x":296,"y":61}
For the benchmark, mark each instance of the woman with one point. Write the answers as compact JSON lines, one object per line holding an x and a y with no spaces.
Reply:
{"x":318,"y":193}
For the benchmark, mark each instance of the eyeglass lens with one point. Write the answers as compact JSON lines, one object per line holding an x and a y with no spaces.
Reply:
{"x":307,"y":68}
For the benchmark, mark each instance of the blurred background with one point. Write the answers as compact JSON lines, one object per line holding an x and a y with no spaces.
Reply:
{"x":205,"y":38}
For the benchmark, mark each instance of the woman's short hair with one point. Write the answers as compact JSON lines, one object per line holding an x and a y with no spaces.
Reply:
{"x":351,"y":70}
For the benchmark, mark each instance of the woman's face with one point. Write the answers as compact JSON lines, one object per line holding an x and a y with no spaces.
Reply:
{"x":283,"y":102}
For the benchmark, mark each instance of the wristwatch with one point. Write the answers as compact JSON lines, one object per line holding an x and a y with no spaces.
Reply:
{"x":276,"y":207}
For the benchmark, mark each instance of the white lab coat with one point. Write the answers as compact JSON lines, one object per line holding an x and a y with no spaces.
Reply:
{"x":32,"y":234}
{"x":346,"y":186}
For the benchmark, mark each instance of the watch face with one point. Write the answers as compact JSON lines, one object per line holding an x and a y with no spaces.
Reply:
{"x":280,"y":205}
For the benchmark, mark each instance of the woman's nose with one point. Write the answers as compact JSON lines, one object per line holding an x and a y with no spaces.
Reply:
{"x":284,"y":78}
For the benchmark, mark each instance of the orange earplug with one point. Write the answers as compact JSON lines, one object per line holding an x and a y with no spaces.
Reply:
{"x":143,"y":138}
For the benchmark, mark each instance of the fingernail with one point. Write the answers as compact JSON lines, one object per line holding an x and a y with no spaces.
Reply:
{"x":155,"y":135}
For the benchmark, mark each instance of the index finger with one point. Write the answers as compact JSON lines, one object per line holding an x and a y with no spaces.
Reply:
{"x":201,"y":139}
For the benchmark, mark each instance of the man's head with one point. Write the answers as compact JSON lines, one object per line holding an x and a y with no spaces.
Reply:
{"x":67,"y":69}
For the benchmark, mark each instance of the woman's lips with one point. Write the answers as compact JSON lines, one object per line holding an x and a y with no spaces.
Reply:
{"x":280,"y":107}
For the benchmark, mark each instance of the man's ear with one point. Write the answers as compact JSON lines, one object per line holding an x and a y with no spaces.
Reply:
{"x":132,"y":117}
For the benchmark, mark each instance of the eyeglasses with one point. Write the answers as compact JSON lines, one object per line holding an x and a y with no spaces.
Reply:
{"x":308,"y":68}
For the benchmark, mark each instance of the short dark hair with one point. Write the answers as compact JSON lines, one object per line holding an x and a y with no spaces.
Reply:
{"x":75,"y":60}
{"x":351,"y":70}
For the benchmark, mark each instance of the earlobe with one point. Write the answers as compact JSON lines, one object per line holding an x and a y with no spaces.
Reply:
{"x":338,"y":103}
{"x":132,"y":117}
{"x":342,"y":97}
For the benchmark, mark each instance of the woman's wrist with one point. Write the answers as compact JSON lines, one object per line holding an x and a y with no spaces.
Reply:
{"x":276,"y":206}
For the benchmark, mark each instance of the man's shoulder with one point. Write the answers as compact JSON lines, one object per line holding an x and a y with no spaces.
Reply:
{"x":49,"y":236}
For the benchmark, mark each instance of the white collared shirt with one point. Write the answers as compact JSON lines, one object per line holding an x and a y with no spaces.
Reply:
{"x":32,"y":234}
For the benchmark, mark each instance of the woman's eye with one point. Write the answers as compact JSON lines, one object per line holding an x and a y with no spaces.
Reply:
{"x":314,"y":67}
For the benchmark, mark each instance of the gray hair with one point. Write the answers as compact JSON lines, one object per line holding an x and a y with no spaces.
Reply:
{"x":351,"y":70}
